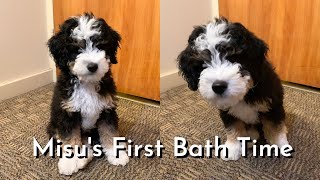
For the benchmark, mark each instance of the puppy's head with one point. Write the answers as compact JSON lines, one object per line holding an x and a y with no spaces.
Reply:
{"x":85,"y":46}
{"x":222,"y":60}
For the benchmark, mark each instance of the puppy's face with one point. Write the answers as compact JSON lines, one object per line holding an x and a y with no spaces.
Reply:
{"x":85,"y":46}
{"x":222,"y":60}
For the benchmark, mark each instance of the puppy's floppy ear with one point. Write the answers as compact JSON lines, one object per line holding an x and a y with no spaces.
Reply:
{"x":191,"y":62}
{"x":62,"y":46}
{"x":253,"y":47}
{"x":108,"y":40}
{"x":261,"y":48}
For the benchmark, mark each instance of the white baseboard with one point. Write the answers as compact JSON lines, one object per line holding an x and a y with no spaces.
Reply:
{"x":25,"y":84}
{"x":170,"y":80}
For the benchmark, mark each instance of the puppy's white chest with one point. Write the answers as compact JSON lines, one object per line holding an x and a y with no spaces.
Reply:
{"x":248,"y":113}
{"x":89,"y":103}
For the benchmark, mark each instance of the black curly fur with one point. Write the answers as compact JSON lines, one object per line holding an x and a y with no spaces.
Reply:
{"x":190,"y":62}
{"x":108,"y":40}
{"x":65,"y":49}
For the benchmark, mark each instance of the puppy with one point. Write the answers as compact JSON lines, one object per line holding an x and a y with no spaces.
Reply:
{"x":84,"y":96}
{"x":229,"y":66}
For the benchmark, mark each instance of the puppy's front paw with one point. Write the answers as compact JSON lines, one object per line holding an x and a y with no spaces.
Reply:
{"x":68,"y":166}
{"x":84,"y":161}
{"x":234,"y":151}
{"x":123,"y":159}
{"x":280,"y":140}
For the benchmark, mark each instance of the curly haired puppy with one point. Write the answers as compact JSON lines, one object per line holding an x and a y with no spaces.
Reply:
{"x":229,"y":66}
{"x":84,"y":96}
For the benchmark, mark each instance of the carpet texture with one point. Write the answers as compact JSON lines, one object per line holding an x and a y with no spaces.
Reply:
{"x":186,"y":114}
{"x":26,"y":116}
{"x":183,"y":113}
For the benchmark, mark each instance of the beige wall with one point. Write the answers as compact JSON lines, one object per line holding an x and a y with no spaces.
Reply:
{"x":23,"y":36}
{"x":177,"y":18}
{"x":26,"y":26}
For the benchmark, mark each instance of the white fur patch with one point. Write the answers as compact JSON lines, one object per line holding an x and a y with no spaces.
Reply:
{"x":86,"y":28}
{"x":68,"y":166}
{"x":223,"y":70}
{"x":280,"y":139}
{"x":86,"y":100}
{"x":234,"y":151}
{"x":212,"y":36}
{"x":123,"y":158}
{"x":220,"y":69}
{"x":90,"y":55}
{"x":248,"y":113}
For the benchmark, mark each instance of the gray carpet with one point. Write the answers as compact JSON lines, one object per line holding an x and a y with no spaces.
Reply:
{"x":183,"y":113}
{"x":26,"y":116}
{"x":187,"y":115}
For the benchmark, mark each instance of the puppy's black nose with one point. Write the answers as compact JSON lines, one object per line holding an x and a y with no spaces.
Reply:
{"x":92,"y":67}
{"x":219,"y":87}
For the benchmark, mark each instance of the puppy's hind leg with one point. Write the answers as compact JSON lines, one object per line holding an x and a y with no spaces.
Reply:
{"x":108,"y":128}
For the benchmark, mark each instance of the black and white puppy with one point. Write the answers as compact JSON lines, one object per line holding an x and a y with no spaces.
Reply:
{"x":229,"y":66}
{"x":84,"y":95}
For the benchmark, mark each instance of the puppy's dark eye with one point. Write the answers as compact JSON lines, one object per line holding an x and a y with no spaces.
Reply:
{"x":230,"y":50}
{"x":226,"y":31}
{"x":205,"y":55}
{"x":82,"y":44}
{"x":225,"y":49}
{"x":99,"y":42}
